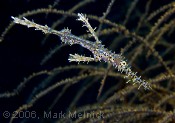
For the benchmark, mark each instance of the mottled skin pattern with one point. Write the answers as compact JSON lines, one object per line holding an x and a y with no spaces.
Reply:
{"x":103,"y":54}
{"x":99,"y":52}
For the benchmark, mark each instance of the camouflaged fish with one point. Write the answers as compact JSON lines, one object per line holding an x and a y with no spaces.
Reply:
{"x":100,"y":53}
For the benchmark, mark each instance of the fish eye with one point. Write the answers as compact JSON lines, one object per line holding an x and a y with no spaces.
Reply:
{"x":123,"y":63}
